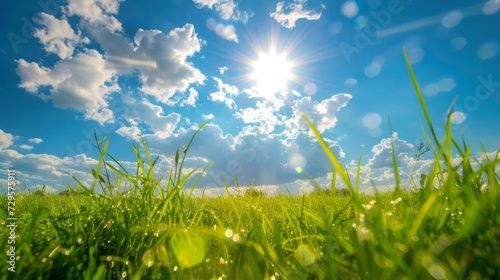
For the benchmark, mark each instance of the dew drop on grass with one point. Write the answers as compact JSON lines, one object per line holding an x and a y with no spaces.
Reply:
{"x":304,"y":255}
{"x":175,"y":268}
{"x":66,"y":252}
{"x":236,"y":238}
{"x":434,"y":267}
{"x":229,"y":233}
{"x":147,"y":258}
{"x":396,"y":201}
{"x":44,"y":260}
{"x":124,"y":274}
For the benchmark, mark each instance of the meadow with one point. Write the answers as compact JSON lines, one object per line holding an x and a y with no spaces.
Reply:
{"x":445,"y":226}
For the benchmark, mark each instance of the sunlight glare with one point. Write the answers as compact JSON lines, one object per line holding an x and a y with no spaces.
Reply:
{"x":271,"y":72}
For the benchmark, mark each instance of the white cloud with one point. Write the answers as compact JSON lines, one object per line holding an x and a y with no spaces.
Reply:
{"x":224,"y":93}
{"x":36,"y":140}
{"x":322,"y":114}
{"x":288,"y":15}
{"x":57,"y":35}
{"x":208,"y":116}
{"x":26,"y":147}
{"x":81,"y":82}
{"x":98,"y":13}
{"x":223,"y":69}
{"x":49,"y":169}
{"x":132,"y":132}
{"x":226,"y":9}
{"x":101,"y":116}
{"x":207,"y":3}
{"x":170,"y":52}
{"x":191,"y":100}
{"x":382,"y":153}
{"x":153,"y":116}
{"x":263,"y":113}
{"x":6,"y":139}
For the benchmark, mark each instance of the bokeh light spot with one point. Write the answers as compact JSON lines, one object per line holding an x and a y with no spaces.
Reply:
{"x":350,"y":9}
{"x":375,"y":132}
{"x":361,"y":22}
{"x":416,"y":55}
{"x":443,"y":85}
{"x":335,"y":28}
{"x":211,"y":24}
{"x":350,"y":82}
{"x":458,"y":43}
{"x":372,"y":120}
{"x":431,"y":89}
{"x":457,"y":117}
{"x":310,"y":89}
{"x":491,"y":7}
{"x":488,"y":50}
{"x":373,"y":69}
{"x":298,"y":162}
{"x":452,"y":19}
{"x":446,"y":84}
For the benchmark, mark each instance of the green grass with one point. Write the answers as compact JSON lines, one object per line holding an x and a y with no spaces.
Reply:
{"x":448,"y":228}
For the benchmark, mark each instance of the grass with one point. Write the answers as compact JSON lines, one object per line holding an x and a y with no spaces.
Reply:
{"x":448,"y":228}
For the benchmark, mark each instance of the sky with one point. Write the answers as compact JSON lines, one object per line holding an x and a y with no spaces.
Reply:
{"x":158,"y":70}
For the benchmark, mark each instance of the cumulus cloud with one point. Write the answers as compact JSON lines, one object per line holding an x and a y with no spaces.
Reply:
{"x":226,"y":9}
{"x":208,"y":116}
{"x":151,"y":115}
{"x":191,"y":99}
{"x":132,"y":132}
{"x":36,"y":140}
{"x":288,"y":15}
{"x":263,"y":113}
{"x":81,"y":82}
{"x":382,"y":153}
{"x":322,"y":114}
{"x":170,"y":52}
{"x":6,"y":139}
{"x":162,"y":59}
{"x":224,"y":93}
{"x":47,"y":168}
{"x":99,"y":13}
{"x":57,"y":35}
{"x":223,"y":69}
{"x":263,"y":159}
{"x":26,"y":147}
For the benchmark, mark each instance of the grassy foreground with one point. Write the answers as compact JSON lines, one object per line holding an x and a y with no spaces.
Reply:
{"x":449,"y":228}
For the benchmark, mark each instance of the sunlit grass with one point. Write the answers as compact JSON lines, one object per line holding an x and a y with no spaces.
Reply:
{"x":448,"y":228}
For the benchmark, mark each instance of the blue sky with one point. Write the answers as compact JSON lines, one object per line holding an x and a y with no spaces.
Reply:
{"x":159,"y":69}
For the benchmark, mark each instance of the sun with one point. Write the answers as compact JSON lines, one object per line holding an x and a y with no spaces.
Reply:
{"x":271,"y":72}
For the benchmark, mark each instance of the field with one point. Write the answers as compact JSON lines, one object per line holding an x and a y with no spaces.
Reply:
{"x":447,"y":226}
